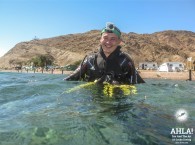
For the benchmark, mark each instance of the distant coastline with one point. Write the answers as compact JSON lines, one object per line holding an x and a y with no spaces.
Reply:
{"x":166,"y":75}
{"x":145,"y":74}
{"x":44,"y":72}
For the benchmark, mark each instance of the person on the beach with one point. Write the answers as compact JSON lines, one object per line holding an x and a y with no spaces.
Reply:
{"x":109,"y":64}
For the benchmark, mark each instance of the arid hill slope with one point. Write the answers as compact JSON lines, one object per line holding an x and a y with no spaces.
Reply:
{"x":160,"y":47}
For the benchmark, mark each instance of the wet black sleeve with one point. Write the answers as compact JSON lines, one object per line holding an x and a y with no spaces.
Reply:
{"x":79,"y":73}
{"x":139,"y":78}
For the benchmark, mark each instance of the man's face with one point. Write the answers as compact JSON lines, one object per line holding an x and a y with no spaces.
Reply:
{"x":109,"y":42}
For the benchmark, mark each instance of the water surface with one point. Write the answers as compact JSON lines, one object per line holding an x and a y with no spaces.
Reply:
{"x":36,"y":110}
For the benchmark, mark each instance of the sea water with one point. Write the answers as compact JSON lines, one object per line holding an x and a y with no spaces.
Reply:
{"x":36,"y":109}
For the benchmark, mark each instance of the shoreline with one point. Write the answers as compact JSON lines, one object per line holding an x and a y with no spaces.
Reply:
{"x":39,"y":72}
{"x":145,"y":74}
{"x":167,"y":75}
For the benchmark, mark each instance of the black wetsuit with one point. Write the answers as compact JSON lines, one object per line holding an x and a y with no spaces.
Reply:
{"x":118,"y":67}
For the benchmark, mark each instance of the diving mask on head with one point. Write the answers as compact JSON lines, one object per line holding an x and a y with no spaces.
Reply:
{"x":111,"y":28}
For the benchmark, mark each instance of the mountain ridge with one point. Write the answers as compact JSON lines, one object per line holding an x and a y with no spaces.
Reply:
{"x":163,"y":46}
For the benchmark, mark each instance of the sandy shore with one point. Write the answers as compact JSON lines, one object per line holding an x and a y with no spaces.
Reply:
{"x":44,"y":72}
{"x":143,"y":73}
{"x":167,"y":75}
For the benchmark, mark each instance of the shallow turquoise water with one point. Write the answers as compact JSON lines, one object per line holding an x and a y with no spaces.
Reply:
{"x":35,"y":111}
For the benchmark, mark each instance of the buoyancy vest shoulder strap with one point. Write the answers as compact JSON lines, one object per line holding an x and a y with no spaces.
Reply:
{"x":124,"y":59}
{"x":127,"y":65}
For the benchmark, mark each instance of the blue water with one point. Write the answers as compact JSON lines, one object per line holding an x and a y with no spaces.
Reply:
{"x":36,"y":110}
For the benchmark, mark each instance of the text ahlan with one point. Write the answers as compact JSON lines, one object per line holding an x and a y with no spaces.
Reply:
{"x":182,"y":131}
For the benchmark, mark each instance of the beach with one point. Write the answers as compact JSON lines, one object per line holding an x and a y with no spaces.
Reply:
{"x":44,"y":72}
{"x":166,"y":75}
{"x":145,"y":74}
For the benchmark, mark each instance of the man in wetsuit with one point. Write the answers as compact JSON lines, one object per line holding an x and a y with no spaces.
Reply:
{"x":109,"y":64}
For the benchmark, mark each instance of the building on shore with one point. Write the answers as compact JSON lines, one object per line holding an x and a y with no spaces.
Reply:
{"x":148,"y":66}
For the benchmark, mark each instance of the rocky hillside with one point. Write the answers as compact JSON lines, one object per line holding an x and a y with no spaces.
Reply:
{"x":160,"y":47}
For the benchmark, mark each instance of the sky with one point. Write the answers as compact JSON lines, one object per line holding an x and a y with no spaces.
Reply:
{"x":23,"y":20}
